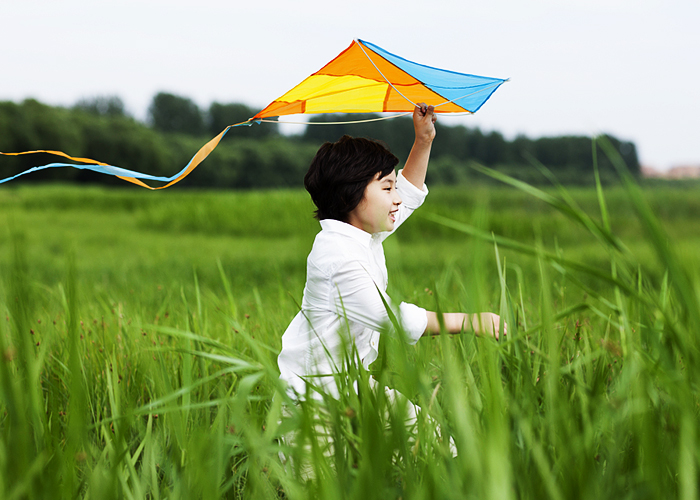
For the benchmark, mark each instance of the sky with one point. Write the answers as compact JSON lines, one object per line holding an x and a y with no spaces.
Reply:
{"x":630,"y":68}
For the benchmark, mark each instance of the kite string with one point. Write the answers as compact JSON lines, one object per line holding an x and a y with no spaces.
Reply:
{"x":338,"y":123}
{"x":279,"y":122}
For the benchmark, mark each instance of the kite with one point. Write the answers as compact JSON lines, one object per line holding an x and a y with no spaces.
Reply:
{"x":364,"y":78}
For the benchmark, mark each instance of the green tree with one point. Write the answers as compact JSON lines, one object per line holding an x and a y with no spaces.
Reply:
{"x":221,"y":116}
{"x":172,"y":113}
{"x":102,"y":106}
{"x":30,"y":126}
{"x":397,"y":134}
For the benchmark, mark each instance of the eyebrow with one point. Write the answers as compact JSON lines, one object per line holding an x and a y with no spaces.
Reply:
{"x":386,"y":179}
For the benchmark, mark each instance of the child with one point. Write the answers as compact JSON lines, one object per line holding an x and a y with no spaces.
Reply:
{"x":360,"y":201}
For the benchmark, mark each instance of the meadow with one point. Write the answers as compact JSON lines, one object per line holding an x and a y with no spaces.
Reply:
{"x":139,"y":335}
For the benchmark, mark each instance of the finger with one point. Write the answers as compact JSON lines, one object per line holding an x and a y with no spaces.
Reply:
{"x":431,"y":111}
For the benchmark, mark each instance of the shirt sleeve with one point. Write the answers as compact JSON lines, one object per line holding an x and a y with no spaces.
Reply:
{"x":359,"y":299}
{"x":411,"y":196}
{"x":414,"y":320}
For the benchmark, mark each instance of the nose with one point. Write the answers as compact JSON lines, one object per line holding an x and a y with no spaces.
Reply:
{"x":397,"y":199}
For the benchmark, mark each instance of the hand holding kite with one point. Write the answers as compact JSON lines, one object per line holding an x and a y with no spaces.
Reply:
{"x":424,"y":119}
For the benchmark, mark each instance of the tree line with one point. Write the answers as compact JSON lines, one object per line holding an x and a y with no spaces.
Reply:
{"x":258,"y":156}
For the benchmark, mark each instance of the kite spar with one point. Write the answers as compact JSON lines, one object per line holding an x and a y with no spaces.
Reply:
{"x":364,"y":78}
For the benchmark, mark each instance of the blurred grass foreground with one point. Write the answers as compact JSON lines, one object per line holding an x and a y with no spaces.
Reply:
{"x":139,"y":335}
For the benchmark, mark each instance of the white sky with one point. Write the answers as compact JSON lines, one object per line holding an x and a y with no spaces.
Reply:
{"x":627,"y":67}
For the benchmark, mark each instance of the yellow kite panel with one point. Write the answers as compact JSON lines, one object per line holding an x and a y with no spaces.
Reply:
{"x":317,"y":86}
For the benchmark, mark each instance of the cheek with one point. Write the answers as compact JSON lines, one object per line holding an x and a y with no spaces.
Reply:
{"x":381,"y":205}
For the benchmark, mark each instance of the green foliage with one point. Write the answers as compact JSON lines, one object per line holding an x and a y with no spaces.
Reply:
{"x":271,"y":162}
{"x":122,"y":141}
{"x":139,"y":334}
{"x":471,"y":144}
{"x":257,"y":156}
{"x":397,"y":133}
{"x":221,"y":116}
{"x":569,"y":157}
{"x":172,"y":113}
{"x":102,"y":106}
{"x":32,"y":125}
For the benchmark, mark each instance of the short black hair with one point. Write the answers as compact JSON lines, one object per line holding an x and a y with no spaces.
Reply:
{"x":340,"y":172}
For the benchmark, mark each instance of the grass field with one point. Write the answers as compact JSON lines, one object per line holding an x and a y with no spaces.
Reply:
{"x":139,"y":335}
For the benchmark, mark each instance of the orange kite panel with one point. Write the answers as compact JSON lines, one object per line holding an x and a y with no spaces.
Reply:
{"x":353,"y":61}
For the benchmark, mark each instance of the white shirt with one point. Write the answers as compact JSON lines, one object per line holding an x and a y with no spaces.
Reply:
{"x":346,"y":270}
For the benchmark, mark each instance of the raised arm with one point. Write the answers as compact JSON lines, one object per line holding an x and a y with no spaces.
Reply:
{"x":417,"y":164}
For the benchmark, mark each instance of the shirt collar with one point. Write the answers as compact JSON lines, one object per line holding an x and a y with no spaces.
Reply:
{"x":336,"y":226}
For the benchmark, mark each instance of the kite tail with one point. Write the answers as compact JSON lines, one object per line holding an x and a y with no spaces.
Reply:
{"x":122,"y":173}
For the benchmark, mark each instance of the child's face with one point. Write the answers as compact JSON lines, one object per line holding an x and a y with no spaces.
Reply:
{"x":377,"y":210}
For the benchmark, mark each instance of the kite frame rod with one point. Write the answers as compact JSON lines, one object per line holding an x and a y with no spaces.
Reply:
{"x":339,"y":123}
{"x":446,"y":115}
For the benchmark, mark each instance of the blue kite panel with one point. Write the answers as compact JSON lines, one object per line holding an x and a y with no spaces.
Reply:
{"x":468,"y":91}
